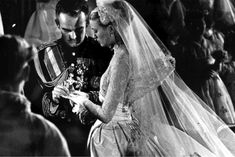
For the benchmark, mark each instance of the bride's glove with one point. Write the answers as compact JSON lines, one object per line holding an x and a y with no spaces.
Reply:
{"x":78,"y":100}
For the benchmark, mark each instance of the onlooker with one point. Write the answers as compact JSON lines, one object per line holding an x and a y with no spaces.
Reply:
{"x":193,"y":57}
{"x":23,"y":133}
{"x":199,"y":69}
{"x":218,"y":91}
{"x":72,"y":63}
{"x":41,"y":27}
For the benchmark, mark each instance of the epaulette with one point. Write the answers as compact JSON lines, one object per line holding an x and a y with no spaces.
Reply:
{"x":45,"y":45}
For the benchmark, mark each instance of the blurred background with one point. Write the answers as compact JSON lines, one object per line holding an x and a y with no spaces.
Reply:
{"x":16,"y":13}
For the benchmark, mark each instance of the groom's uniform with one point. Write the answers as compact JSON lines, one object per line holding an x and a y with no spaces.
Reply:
{"x":82,"y":68}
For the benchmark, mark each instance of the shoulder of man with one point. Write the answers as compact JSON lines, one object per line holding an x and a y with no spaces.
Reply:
{"x":52,"y":138}
{"x":49,"y":63}
{"x":47,"y":44}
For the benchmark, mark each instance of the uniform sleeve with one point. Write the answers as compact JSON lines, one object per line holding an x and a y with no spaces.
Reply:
{"x":49,"y":107}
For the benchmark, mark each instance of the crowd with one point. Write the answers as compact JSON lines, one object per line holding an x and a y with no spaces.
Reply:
{"x":203,"y":51}
{"x":102,"y":83}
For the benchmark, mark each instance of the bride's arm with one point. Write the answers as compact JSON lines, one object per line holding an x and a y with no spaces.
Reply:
{"x":115,"y":92}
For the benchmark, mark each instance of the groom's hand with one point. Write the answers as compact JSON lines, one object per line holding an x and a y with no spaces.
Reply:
{"x":58,"y":92}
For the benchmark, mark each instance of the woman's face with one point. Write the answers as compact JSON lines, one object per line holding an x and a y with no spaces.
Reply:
{"x":102,"y":34}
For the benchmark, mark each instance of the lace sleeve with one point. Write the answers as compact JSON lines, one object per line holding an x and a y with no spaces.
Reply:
{"x":118,"y":76}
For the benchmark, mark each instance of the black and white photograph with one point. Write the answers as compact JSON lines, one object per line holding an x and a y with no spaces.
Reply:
{"x":117,"y":78}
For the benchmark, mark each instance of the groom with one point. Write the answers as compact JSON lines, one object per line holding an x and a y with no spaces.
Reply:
{"x":73,"y":63}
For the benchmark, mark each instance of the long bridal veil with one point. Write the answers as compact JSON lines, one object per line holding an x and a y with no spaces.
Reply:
{"x":173,"y":120}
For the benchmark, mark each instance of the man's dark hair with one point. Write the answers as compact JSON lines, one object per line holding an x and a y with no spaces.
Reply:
{"x":193,"y":17}
{"x":14,"y":53}
{"x":72,"y":7}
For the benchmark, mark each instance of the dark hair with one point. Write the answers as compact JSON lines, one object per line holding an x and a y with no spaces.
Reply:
{"x":71,"y":7}
{"x":193,"y":17}
{"x":14,"y":53}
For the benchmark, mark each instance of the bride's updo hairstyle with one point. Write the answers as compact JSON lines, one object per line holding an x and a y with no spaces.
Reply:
{"x":115,"y":13}
{"x":94,"y":16}
{"x":111,"y":14}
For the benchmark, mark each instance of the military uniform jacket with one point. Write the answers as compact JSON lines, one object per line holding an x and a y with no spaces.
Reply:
{"x":79,"y":67}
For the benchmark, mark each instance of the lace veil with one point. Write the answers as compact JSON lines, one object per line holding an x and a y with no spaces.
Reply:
{"x":172,"y":119}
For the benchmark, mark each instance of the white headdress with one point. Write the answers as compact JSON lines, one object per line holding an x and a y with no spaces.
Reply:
{"x":173,"y":120}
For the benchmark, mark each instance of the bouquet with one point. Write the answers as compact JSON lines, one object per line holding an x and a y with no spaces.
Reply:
{"x":75,"y":83}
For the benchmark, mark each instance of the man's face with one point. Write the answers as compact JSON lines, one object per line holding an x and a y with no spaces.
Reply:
{"x":73,"y":29}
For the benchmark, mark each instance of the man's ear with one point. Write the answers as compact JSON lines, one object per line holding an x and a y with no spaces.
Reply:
{"x":25,"y":73}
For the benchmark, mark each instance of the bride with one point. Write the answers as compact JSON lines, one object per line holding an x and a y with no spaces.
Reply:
{"x":147,"y":109}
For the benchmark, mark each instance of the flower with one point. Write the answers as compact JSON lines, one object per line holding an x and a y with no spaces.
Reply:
{"x":76,"y":78}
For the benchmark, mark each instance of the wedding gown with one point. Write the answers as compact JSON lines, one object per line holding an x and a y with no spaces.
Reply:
{"x":123,"y":136}
{"x":156,"y":114}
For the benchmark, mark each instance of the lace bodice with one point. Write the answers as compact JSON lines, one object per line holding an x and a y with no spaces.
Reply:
{"x":113,"y":86}
{"x":119,"y":87}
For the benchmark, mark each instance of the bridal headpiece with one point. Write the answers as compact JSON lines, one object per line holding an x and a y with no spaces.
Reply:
{"x":107,"y":14}
{"x":110,"y":12}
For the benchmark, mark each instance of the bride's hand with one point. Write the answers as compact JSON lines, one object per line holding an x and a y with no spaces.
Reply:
{"x":77,"y":99}
{"x":78,"y":108}
{"x":77,"y":103}
{"x":79,"y":93}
